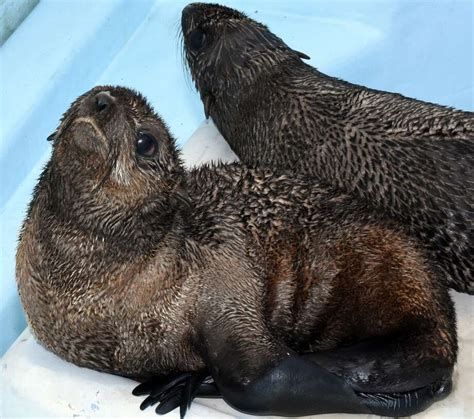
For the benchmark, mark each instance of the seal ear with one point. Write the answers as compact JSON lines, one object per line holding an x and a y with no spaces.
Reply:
{"x":302,"y":55}
{"x":52,"y":136}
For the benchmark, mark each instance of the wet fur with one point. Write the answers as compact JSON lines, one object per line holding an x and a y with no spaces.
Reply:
{"x":413,"y":161}
{"x":162,"y":270}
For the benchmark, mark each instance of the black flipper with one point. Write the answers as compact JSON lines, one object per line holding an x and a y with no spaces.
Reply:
{"x":208,"y":389}
{"x":298,"y":387}
{"x":384,"y":365}
{"x":331,"y":395}
{"x":408,"y":403}
{"x":158,"y":388}
{"x":177,"y":390}
{"x":388,"y":375}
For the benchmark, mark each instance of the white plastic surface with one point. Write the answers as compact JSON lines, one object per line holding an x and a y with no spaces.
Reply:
{"x":36,"y":383}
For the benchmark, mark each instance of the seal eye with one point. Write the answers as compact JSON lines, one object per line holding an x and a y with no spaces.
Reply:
{"x":146,"y":144}
{"x":196,"y":39}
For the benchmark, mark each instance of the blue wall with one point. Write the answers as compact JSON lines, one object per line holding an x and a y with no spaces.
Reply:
{"x":422,"y":49}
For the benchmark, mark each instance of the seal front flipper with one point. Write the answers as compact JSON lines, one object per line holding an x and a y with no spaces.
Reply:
{"x":292,"y":387}
{"x":178,"y":390}
{"x":297,"y":387}
{"x":407,"y":403}
{"x":254,"y":372}
{"x":257,"y":373}
{"x":389,"y":364}
{"x":393,"y":373}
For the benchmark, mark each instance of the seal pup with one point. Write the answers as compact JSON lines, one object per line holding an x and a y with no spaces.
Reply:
{"x":413,"y":161}
{"x":292,"y":297}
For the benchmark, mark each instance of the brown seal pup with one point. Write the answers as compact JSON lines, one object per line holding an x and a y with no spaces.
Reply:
{"x":294,"y":299}
{"x":413,"y":161}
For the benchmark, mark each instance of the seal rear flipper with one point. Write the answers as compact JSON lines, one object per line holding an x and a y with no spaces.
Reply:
{"x":177,"y":390}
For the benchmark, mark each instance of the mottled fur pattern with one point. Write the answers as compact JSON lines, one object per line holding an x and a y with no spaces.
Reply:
{"x":413,"y":161}
{"x":158,"y":269}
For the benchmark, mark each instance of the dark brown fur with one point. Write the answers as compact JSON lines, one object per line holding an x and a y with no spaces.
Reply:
{"x":412,"y":161}
{"x":133,"y":266}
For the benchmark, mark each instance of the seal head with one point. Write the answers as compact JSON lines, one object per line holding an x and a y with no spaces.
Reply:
{"x":212,"y":33}
{"x":113,"y":160}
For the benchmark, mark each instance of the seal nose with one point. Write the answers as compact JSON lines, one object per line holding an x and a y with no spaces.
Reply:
{"x":188,"y":13}
{"x":103,"y":100}
{"x":188,"y":10}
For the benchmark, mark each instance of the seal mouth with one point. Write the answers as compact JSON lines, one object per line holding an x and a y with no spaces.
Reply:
{"x":90,"y":121}
{"x":111,"y":155}
{"x":83,"y":125}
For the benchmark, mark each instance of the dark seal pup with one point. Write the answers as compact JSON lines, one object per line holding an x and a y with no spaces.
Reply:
{"x":288,"y":293}
{"x":413,"y":161}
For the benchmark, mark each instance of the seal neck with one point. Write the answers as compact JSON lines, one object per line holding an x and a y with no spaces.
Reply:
{"x":134,"y":228}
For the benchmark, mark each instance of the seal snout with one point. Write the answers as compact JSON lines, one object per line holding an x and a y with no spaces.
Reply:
{"x":188,"y":10}
{"x":103,"y":100}
{"x":194,"y":14}
{"x":191,"y":9}
{"x":188,"y":16}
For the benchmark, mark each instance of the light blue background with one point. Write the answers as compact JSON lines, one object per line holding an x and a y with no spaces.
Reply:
{"x":423,"y":49}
